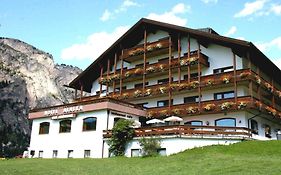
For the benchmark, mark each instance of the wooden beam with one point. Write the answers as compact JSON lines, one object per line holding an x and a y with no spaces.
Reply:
{"x":121,"y":72}
{"x":251,"y":82}
{"x":179,"y":58}
{"x":144,"y":60}
{"x":273,"y":97}
{"x":101,"y":72}
{"x":235,"y":77}
{"x":170,"y":73}
{"x":107,"y":74}
{"x":188,"y":56}
{"x":114,"y":69}
{"x":81,"y":91}
{"x":259,"y":87}
{"x":75,"y":94}
{"x":199,"y":79}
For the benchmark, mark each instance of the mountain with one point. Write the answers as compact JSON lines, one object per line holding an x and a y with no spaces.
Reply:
{"x":29,"y":79}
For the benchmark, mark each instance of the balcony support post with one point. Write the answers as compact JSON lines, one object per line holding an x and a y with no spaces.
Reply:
{"x":273,"y":98}
{"x":170,"y":73}
{"x":144,"y":60}
{"x":199,"y":79}
{"x":121,"y":72}
{"x":81,"y":91}
{"x":251,"y":82}
{"x":235,"y":77}
{"x":179,"y":58}
{"x":101,"y":72}
{"x":259,"y":87}
{"x":188,"y":56}
{"x":107,"y":74}
{"x":75,"y":94}
{"x":114,"y":69}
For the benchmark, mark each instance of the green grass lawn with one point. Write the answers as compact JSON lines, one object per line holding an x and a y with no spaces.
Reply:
{"x":249,"y":157}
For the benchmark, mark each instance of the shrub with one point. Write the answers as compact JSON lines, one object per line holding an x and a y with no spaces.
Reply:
{"x":122,"y":133}
{"x":150,"y":146}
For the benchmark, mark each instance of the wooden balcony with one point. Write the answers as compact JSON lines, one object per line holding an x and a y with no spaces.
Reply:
{"x":190,"y":131}
{"x":155,"y":48}
{"x":156,"y":69}
{"x":212,"y":107}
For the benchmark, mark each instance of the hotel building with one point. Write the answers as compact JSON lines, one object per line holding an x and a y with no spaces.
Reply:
{"x":225,"y":90}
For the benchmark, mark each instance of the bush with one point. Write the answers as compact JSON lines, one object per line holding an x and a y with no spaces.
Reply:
{"x":122,"y":133}
{"x":150,"y":146}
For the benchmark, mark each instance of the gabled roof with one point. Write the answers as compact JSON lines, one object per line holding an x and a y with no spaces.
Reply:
{"x":135,"y":34}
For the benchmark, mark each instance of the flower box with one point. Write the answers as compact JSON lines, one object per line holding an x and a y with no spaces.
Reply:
{"x":242,"y":105}
{"x":269,"y":87}
{"x":151,"y":69}
{"x":138,"y":71}
{"x":137,"y":93}
{"x":209,"y":82}
{"x":258,"y":80}
{"x":209,"y":107}
{"x":191,"y":110}
{"x":271,"y":110}
{"x":163,"y":90}
{"x":226,"y":105}
{"x":148,"y":92}
{"x":176,"y":111}
{"x":244,"y":74}
{"x":226,"y":80}
{"x":164,"y":112}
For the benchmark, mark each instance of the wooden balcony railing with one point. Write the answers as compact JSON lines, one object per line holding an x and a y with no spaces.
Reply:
{"x":187,"y":130}
{"x":213,"y":106}
{"x":159,"y":67}
{"x":155,"y":48}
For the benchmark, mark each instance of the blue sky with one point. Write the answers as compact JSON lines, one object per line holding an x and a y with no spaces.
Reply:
{"x":77,"y":31}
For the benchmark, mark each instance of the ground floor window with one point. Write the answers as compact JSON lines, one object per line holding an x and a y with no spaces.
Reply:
{"x":254,"y":127}
{"x":162,"y":151}
{"x":267,"y":131}
{"x":87,"y":153}
{"x":55,"y":153}
{"x":70,"y":154}
{"x":194,"y":123}
{"x":230,"y":122}
{"x":40,"y":155}
{"x":135,"y":152}
{"x":32,"y":153}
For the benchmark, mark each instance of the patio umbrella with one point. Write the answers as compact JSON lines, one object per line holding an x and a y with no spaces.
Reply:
{"x":173,"y":119}
{"x":153,"y":121}
{"x":136,"y":124}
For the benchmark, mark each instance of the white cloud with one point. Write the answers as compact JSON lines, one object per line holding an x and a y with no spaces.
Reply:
{"x":231,"y":31}
{"x":122,"y":8}
{"x":251,"y":8}
{"x":95,"y":45}
{"x":105,"y":16}
{"x":265,"y":46}
{"x":276,"y":9}
{"x":277,"y":62}
{"x":172,"y":15}
{"x":209,"y":1}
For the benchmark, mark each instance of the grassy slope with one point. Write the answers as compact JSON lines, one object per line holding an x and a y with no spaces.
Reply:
{"x":252,"y":157}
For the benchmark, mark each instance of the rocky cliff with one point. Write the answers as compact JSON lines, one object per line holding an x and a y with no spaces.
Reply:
{"x":29,"y":79}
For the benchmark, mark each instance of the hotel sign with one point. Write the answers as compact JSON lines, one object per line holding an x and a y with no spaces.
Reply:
{"x":63,"y":111}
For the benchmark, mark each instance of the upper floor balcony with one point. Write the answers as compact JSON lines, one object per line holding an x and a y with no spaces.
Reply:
{"x":156,"y":69}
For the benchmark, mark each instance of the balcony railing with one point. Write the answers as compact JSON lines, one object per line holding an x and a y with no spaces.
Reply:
{"x":159,"y":67}
{"x":188,"y":130}
{"x":155,"y":48}
{"x":213,"y":106}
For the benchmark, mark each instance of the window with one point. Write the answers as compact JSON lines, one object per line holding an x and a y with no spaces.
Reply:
{"x":140,"y":85}
{"x":135,"y":153}
{"x":224,"y":95}
{"x":44,"y":128}
{"x":65,"y":126}
{"x":193,"y":75}
{"x":267,"y":131}
{"x":98,"y":92}
{"x":32,"y":153}
{"x":89,"y":124}
{"x":165,"y":80}
{"x":231,"y":122}
{"x":87,"y":153}
{"x":140,"y":65}
{"x":254,"y":127}
{"x":162,"y":151}
{"x":118,"y":88}
{"x":163,"y":103}
{"x":70,"y":154}
{"x":223,"y":69}
{"x":194,"y":123}
{"x":191,"y":99}
{"x":40,"y":155}
{"x":163,"y":59}
{"x":55,"y":153}
{"x":144,"y":105}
